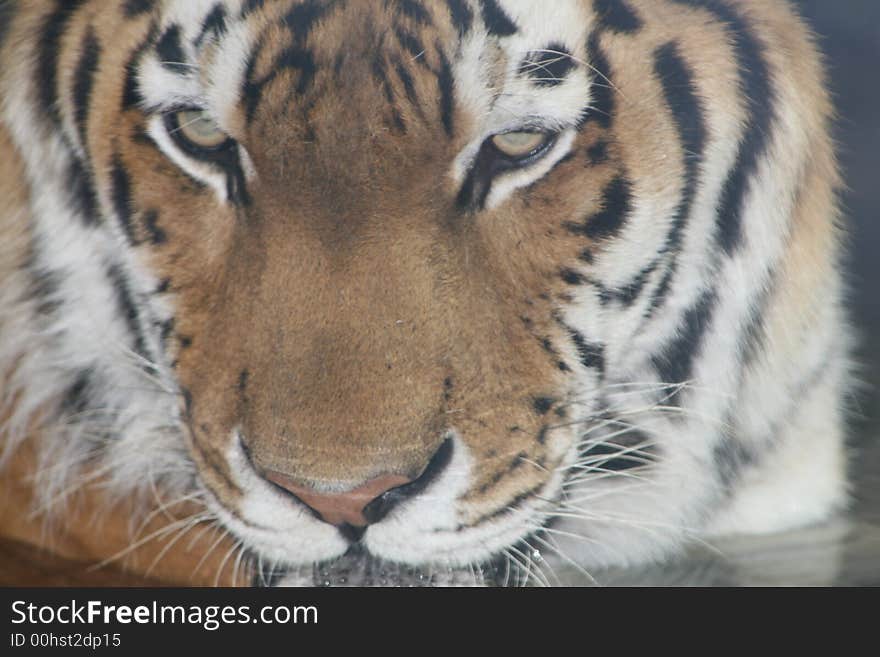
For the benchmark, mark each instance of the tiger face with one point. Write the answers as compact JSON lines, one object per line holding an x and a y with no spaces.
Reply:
{"x":436,"y":280}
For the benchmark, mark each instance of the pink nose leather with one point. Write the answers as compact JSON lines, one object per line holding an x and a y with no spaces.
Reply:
{"x":340,"y":508}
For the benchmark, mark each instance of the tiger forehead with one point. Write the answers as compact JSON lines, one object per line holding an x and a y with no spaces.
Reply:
{"x":347,"y":43}
{"x":330,"y":28}
{"x":304,"y":41}
{"x":453,"y":20}
{"x":326,"y":31}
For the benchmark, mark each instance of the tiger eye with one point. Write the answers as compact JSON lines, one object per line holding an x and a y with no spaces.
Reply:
{"x":198,"y":128}
{"x":519,"y":145}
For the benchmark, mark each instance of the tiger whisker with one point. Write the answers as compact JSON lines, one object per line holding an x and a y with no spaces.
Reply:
{"x":214,"y":545}
{"x":195,"y":522}
{"x":550,"y":576}
{"x":551,"y":545}
{"x":141,"y":542}
{"x":222,"y":566}
{"x":242,"y":552}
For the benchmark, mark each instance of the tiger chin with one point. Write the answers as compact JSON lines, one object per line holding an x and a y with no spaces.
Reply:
{"x":421,"y":283}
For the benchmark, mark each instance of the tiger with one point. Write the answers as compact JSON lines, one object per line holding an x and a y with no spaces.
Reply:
{"x":438,"y":285}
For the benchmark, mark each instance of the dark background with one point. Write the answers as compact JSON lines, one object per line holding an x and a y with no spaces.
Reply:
{"x":849,"y":34}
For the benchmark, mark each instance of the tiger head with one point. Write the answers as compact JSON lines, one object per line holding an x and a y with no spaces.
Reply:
{"x":435,"y":278}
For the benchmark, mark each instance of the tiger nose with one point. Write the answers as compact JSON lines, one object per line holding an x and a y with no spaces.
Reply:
{"x":369,"y":503}
{"x":341,"y":508}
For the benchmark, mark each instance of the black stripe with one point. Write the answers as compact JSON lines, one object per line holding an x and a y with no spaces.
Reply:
{"x":236,"y":181}
{"x":415,"y":11}
{"x":507,"y":509}
{"x":476,"y":187}
{"x":504,"y":472}
{"x":548,"y":67}
{"x":166,"y":330}
{"x":675,"y":364}
{"x":131,"y":95}
{"x":126,"y":303}
{"x":448,"y":387}
{"x":617,"y":16}
{"x":799,"y":392}
{"x":381,"y":76}
{"x":618,"y":454}
{"x":545,"y":430}
{"x":76,"y":399}
{"x":592,"y":356}
{"x":549,"y":348}
{"x":598,"y":153}
{"x":170,"y":50}
{"x":215,"y":463}
{"x":602,"y":104}
{"x":616,"y":206}
{"x":188,"y":402}
{"x":446,"y":83}
{"x":50,"y":55}
{"x":409,"y":41}
{"x":756,"y":88}
{"x":250,"y":6}
{"x":133,"y":8}
{"x":628,"y":293}
{"x":120,"y":183}
{"x":83,"y":82}
{"x":662,"y":290}
{"x":151,"y":224}
{"x":302,"y":18}
{"x":754,"y":335}
{"x":679,"y":91}
{"x":462,"y":16}
{"x":292,"y":58}
{"x":214,"y":23}
{"x":408,"y":83}
{"x":81,"y":185}
{"x":298,"y":60}
{"x":731,"y":457}
{"x":45,"y":284}
{"x":607,"y":458}
{"x":252,"y":89}
{"x":497,"y":22}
